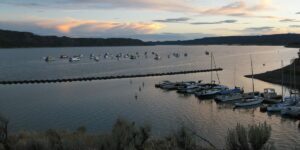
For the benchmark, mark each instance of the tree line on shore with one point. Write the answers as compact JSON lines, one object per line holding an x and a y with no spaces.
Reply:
{"x":15,"y":39}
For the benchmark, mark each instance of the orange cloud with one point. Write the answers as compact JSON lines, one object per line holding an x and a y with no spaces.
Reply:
{"x":68,"y":25}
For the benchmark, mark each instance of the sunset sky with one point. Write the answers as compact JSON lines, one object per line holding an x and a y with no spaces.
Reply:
{"x":151,"y":19}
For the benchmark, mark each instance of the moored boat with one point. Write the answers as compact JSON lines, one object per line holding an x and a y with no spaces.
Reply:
{"x":74,"y":59}
{"x":270,"y":96}
{"x":63,"y":57}
{"x":96,"y":58}
{"x":209,"y":93}
{"x":229,"y":97}
{"x":249,"y":102}
{"x":162,"y":83}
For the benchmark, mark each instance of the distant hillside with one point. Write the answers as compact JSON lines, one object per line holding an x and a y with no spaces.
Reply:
{"x":276,"y":39}
{"x":10,"y":39}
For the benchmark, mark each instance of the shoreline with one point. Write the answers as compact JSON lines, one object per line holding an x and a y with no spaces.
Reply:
{"x":275,"y":76}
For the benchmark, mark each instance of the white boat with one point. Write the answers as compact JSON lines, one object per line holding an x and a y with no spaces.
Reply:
{"x":255,"y":99}
{"x":63,"y":57}
{"x":229,"y":97}
{"x":96,"y":58}
{"x":250,"y":102}
{"x":270,"y":96}
{"x":157,"y":57}
{"x":74,"y":59}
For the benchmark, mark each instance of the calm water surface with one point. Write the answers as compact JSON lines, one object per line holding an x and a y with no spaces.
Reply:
{"x":97,"y":104}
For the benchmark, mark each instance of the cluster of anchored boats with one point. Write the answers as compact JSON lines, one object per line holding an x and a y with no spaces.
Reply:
{"x":276,"y":103}
{"x":118,"y":56}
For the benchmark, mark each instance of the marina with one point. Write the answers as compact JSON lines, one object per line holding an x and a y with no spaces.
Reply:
{"x":97,"y":104}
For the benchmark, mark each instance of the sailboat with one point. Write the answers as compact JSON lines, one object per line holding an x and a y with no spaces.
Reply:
{"x":231,"y":94}
{"x":255,"y":100}
{"x":294,"y":109}
{"x":212,"y":89}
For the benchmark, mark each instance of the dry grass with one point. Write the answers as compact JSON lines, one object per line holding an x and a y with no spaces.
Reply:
{"x":127,"y":135}
{"x":255,"y":137}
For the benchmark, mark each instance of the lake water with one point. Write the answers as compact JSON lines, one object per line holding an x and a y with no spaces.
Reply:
{"x":97,"y":104}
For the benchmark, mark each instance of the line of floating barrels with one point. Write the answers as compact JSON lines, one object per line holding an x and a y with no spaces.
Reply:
{"x":104,"y":78}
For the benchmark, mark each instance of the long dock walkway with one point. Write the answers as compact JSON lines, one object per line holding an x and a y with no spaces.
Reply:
{"x":104,"y":78}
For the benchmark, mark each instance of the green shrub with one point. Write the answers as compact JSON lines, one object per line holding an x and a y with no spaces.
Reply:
{"x":254,"y":137}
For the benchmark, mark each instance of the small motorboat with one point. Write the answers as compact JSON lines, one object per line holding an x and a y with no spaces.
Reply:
{"x":157,"y":57}
{"x":74,"y":59}
{"x":270,"y":96}
{"x":63,"y":57}
{"x":250,"y":102}
{"x":96,"y":58}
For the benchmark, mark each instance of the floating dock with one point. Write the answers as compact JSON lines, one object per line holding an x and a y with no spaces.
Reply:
{"x":103,"y":78}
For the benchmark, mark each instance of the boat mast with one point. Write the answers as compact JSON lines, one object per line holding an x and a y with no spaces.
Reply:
{"x":211,"y":66}
{"x":295,"y":87}
{"x":234,"y":75}
{"x":282,"y":79}
{"x":215,"y":65}
{"x":252,"y":75}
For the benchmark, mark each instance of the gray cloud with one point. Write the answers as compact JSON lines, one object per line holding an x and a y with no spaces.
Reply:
{"x":289,"y":20}
{"x":217,"y":22}
{"x":294,"y":26}
{"x":170,"y":36}
{"x":298,"y":12}
{"x":174,"y":20}
{"x":258,"y":29}
{"x":166,"y":5}
{"x":238,"y":8}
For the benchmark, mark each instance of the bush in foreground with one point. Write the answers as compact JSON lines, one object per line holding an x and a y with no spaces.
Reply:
{"x":255,"y":137}
{"x":128,"y":136}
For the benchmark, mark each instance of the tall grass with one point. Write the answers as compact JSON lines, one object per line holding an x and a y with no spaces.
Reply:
{"x":254,"y":137}
{"x":127,"y":135}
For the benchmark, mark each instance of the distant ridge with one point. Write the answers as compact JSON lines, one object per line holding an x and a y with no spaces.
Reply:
{"x":292,"y":40}
{"x":14,"y":39}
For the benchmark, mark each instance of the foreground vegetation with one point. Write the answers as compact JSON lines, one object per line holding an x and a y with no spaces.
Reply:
{"x":128,"y":136}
